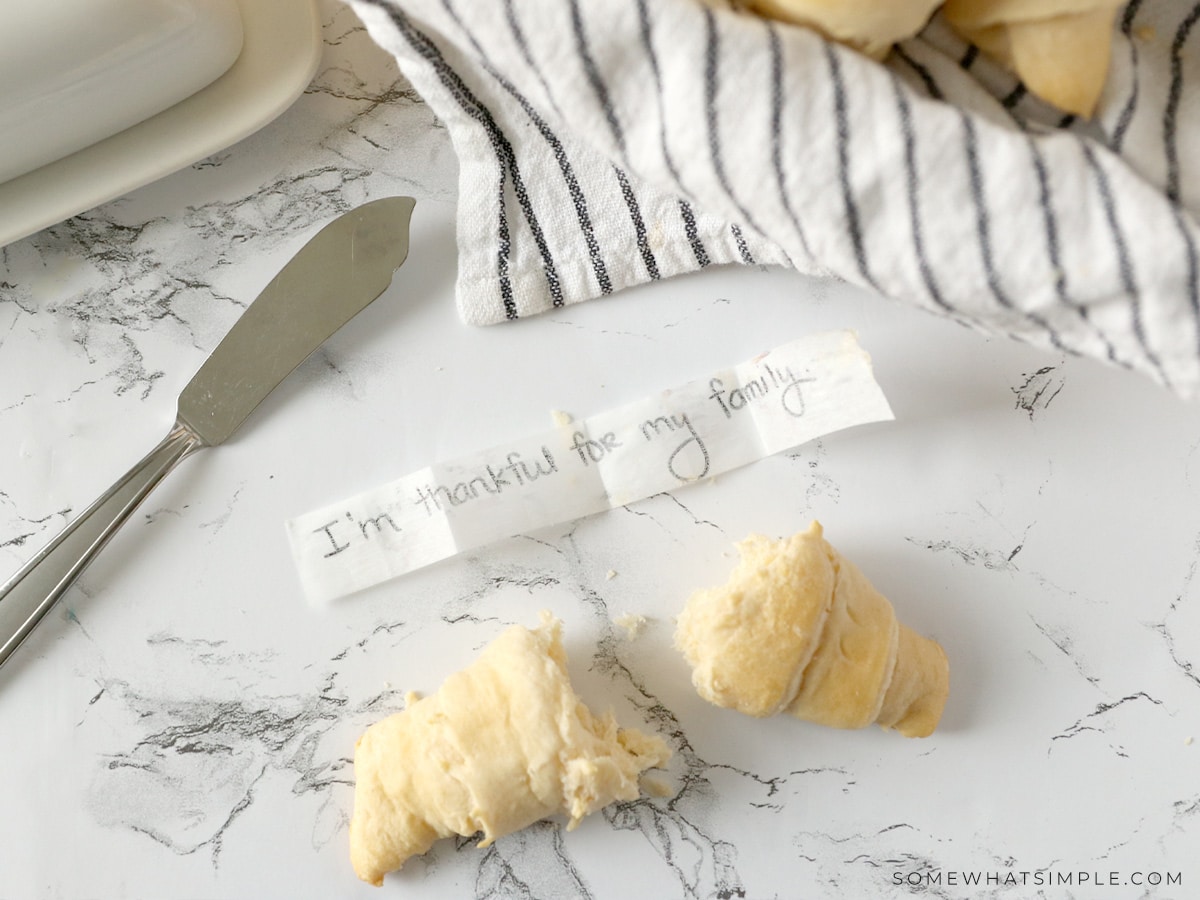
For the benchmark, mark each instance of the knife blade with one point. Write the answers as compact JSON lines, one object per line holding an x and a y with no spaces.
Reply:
{"x":334,"y":276}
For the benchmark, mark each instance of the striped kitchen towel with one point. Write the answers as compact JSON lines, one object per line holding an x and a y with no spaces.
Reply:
{"x":605,"y":143}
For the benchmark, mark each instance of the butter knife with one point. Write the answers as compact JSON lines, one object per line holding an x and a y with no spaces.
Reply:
{"x":345,"y":266}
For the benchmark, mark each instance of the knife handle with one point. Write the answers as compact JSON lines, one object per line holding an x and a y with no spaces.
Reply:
{"x":28,"y":596}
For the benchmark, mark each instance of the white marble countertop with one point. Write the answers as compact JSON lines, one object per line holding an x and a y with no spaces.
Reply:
{"x":182,"y":724}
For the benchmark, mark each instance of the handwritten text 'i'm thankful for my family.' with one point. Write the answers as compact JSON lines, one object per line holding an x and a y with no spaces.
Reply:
{"x":776,"y":401}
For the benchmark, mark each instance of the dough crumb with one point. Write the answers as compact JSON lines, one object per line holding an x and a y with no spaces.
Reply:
{"x":610,"y":574}
{"x":500,"y":745}
{"x":633,"y":623}
{"x":799,"y":629}
{"x":560,"y":418}
{"x":656,"y":787}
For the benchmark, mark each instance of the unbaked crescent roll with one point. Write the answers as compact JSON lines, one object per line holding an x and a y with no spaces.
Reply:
{"x":799,"y":629}
{"x":500,"y":745}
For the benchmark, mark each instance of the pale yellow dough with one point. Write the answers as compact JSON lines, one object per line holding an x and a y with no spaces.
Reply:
{"x":1060,"y":49}
{"x":799,"y":629}
{"x":500,"y":745}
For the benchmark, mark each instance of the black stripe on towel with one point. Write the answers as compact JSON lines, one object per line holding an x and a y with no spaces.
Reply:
{"x":592,"y":71}
{"x":922,"y":72}
{"x":983,"y":227}
{"x":454,"y":85}
{"x":1124,"y":262}
{"x":1015,"y":96}
{"x":1171,"y":113}
{"x":1127,"y":111}
{"x":693,"y":235}
{"x":983,"y":233}
{"x":743,"y":249}
{"x":578,"y":200}
{"x":776,"y":51}
{"x":639,"y":226}
{"x":652,"y":58}
{"x":842,"y":121}
{"x":518,"y":33}
{"x":1054,"y":252}
{"x":914,"y":192}
{"x":1193,"y":281}
{"x":712,"y":54}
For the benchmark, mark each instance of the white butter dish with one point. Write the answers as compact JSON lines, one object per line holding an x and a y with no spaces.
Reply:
{"x":73,"y":72}
{"x":281,"y":50}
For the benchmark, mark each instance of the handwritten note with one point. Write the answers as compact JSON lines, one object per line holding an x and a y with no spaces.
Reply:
{"x":776,"y":401}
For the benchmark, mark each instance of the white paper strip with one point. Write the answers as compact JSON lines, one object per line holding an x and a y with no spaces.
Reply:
{"x":779,"y":400}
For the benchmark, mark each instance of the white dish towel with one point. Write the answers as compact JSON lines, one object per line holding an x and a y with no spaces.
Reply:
{"x":605,"y":143}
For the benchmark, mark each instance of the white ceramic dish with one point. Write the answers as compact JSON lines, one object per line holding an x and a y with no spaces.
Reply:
{"x":73,"y":72}
{"x":280,"y":52}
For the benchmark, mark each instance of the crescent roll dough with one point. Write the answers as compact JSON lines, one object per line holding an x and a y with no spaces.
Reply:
{"x":500,"y":745}
{"x":1060,"y":49}
{"x":799,"y":629}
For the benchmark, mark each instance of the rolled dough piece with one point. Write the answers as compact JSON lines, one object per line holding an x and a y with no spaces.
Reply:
{"x":799,"y":629}
{"x":500,"y":745}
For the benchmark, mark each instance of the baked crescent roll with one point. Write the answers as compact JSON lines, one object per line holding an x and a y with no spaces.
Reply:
{"x":1060,"y":49}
